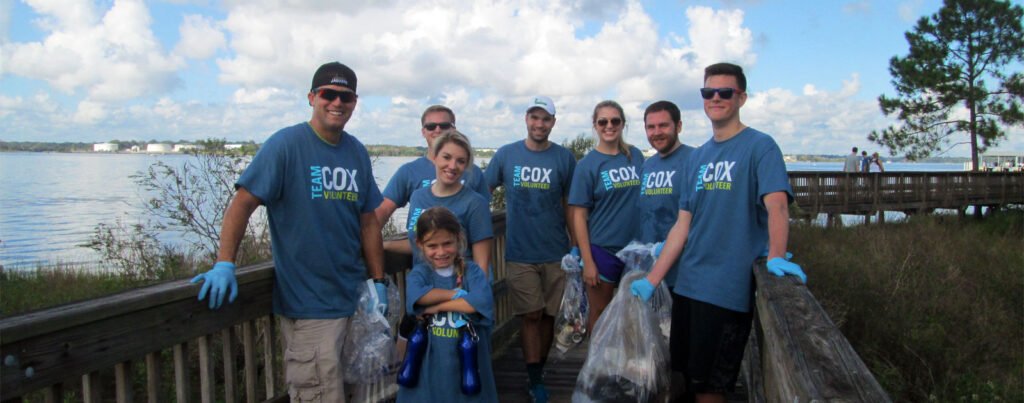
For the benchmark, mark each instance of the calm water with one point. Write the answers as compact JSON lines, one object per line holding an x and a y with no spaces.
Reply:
{"x":51,"y":202}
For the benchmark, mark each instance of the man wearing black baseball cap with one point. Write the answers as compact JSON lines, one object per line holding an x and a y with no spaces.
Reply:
{"x":316,"y":181}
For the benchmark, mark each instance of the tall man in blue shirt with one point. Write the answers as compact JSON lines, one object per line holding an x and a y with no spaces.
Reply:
{"x":736,"y":201}
{"x":315,"y":180}
{"x":536,"y":174}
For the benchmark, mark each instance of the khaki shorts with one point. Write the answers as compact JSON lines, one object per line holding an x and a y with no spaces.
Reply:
{"x":312,"y":358}
{"x":535,"y":286}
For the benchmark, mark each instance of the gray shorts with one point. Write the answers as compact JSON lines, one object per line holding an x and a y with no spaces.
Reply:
{"x":312,"y":358}
{"x":535,"y":286}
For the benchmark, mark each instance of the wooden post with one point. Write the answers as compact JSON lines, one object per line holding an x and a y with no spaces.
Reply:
{"x":53,"y":394}
{"x":205,"y":370}
{"x":123,"y":382}
{"x":249,"y":351}
{"x":227,"y":348}
{"x":269,"y":346}
{"x":91,"y":388}
{"x":181,"y":384}
{"x":154,"y":394}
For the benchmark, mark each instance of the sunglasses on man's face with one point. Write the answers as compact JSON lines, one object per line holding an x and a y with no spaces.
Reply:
{"x":604,"y":122}
{"x":432,"y":126}
{"x":330,"y":95}
{"x":724,"y":93}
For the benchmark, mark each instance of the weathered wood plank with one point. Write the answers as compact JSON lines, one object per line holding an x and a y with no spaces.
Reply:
{"x":249,"y":352}
{"x":804,"y":357}
{"x":227,"y":349}
{"x":123,"y":382}
{"x":91,"y":392}
{"x":206,"y":386}
{"x":154,"y":380}
{"x":269,"y":350}
{"x":181,"y":384}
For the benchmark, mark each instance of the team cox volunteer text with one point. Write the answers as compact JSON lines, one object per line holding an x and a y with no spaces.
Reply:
{"x":333,"y":183}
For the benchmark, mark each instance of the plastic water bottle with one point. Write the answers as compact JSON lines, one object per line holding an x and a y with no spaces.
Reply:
{"x":470,"y":370}
{"x":409,"y":373}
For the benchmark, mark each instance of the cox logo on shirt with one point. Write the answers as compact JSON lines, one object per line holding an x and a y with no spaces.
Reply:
{"x":620,"y":178}
{"x":531,"y":177}
{"x":333,"y":183}
{"x":657,"y":183}
{"x":446,"y":324}
{"x":715,"y":176}
{"x":413,"y":216}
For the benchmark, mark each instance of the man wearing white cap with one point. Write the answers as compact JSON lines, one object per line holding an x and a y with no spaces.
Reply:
{"x":536,"y":174}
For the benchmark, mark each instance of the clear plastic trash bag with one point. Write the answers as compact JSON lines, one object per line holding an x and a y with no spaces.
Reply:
{"x":369,"y":350}
{"x":640,"y":256}
{"x":628,"y":359}
{"x":571,"y":323}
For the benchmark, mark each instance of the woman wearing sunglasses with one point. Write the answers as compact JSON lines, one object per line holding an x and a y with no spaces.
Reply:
{"x":603,"y":200}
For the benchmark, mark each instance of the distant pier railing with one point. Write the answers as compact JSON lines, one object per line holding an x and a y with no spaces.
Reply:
{"x":909,"y":192}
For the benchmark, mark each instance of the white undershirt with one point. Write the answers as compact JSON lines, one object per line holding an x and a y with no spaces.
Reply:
{"x":446,"y":272}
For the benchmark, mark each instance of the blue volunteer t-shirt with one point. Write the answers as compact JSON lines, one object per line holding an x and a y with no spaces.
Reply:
{"x":535,"y":184}
{"x":660,"y":187}
{"x":609,"y":186}
{"x":724,"y":188}
{"x":421,"y":173}
{"x":440,"y":374}
{"x":314,"y":193}
{"x":470,"y":208}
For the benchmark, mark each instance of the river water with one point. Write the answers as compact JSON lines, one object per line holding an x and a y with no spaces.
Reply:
{"x":51,"y":202}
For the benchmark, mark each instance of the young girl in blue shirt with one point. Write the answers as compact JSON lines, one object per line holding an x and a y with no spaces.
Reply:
{"x":453,"y":296}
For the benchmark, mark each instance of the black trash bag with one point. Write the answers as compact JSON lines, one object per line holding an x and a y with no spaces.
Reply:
{"x":628,"y":359}
{"x":571,"y":323}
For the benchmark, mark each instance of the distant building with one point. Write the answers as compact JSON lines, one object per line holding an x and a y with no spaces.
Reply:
{"x":104,"y":147}
{"x":180,"y":148}
{"x":233,"y":146}
{"x":158,"y":148}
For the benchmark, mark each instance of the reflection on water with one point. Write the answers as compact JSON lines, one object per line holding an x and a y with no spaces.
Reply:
{"x":51,"y":202}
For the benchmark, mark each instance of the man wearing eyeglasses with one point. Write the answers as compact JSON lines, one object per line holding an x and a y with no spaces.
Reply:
{"x":436,"y":120}
{"x":536,"y":174}
{"x":316,"y":182}
{"x":736,"y":201}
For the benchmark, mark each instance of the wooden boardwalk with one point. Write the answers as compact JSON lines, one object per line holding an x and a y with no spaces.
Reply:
{"x":559,"y":376}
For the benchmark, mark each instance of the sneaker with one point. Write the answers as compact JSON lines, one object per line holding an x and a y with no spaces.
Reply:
{"x":539,"y":393}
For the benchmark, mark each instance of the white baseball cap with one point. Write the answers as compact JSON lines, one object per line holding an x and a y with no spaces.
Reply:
{"x":542,"y":102}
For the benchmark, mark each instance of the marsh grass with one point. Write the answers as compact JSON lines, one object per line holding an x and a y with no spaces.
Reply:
{"x":933,"y":304}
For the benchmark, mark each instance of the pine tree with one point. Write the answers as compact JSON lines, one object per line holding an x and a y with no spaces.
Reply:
{"x":941,"y":84}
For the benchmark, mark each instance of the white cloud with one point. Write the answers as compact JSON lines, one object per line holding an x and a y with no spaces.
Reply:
{"x":199,"y":38}
{"x":908,"y":10}
{"x":857,"y":7}
{"x":111,"y":58}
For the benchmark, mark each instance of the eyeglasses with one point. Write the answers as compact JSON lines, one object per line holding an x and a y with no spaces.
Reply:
{"x":724,"y":93}
{"x":604,"y":122}
{"x":432,"y":126}
{"x":330,"y":95}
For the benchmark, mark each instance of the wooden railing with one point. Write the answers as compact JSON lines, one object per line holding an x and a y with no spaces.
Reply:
{"x":89,"y":340}
{"x":864,"y":193}
{"x":796,"y":353}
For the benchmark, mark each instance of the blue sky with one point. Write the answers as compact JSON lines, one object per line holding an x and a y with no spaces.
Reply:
{"x":235,"y":69}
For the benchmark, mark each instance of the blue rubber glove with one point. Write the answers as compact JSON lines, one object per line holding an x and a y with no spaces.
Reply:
{"x":382,"y":298}
{"x":218,"y":281}
{"x":657,"y":249}
{"x":642,"y":288}
{"x":781,"y":267}
{"x":458,"y":320}
{"x":459,"y":293}
{"x":764,"y":253}
{"x":575,"y":252}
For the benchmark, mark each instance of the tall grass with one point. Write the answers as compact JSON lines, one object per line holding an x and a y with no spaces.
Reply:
{"x":934,"y":304}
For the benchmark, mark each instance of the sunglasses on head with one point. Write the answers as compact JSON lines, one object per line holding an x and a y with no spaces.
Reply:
{"x":432,"y":126}
{"x":330,"y":95}
{"x":604,"y":122}
{"x":724,"y":93}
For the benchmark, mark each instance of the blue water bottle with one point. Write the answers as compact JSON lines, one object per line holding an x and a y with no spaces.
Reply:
{"x":409,"y":373}
{"x":467,"y":355}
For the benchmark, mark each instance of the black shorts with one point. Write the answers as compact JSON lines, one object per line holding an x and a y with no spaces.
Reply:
{"x":707,"y":344}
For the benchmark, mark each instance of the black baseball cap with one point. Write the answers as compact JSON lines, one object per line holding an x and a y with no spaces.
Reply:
{"x":334,"y":73}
